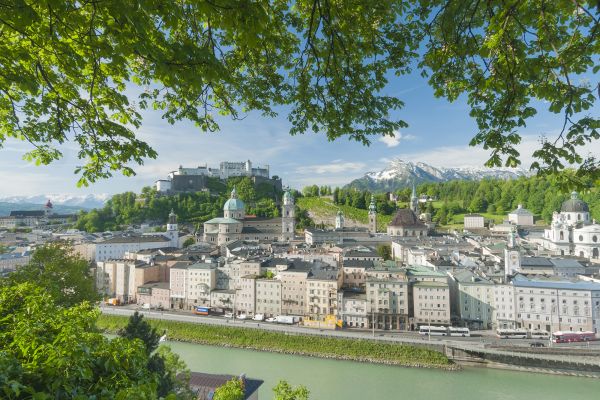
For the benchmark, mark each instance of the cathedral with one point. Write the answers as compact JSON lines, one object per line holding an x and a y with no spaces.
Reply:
{"x":572,"y":231}
{"x":236,"y":225}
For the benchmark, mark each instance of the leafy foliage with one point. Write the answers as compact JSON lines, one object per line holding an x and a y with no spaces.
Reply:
{"x":385,"y":251}
{"x":163,"y":363}
{"x":232,"y":390}
{"x":284,"y":391}
{"x":62,"y":273}
{"x":66,"y":66}
{"x":49,"y":352}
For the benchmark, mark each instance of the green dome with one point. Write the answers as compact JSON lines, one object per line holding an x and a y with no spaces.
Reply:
{"x":234,"y":204}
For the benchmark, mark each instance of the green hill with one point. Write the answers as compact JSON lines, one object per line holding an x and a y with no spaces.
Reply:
{"x":322,"y":210}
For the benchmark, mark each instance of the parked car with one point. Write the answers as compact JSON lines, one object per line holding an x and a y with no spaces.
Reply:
{"x":242,"y":316}
{"x":259,"y":317}
{"x":272,"y":319}
{"x":228,"y":315}
{"x":537,"y":344}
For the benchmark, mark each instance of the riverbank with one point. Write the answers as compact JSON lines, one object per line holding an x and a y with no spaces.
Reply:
{"x":303,"y":345}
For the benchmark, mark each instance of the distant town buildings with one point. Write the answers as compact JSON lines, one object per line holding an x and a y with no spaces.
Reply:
{"x":35,"y":218}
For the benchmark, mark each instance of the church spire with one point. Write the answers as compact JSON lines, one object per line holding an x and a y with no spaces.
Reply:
{"x":414,"y":201}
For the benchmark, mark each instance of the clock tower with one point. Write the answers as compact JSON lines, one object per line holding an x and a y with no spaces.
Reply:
{"x":512,"y":255}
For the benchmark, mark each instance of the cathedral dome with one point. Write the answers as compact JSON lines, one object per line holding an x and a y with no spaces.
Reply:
{"x":574,"y":204}
{"x":234,"y":204}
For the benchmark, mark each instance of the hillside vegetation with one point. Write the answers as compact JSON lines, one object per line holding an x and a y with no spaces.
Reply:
{"x":492,"y":198}
{"x":150,"y":206}
{"x":323,"y":210}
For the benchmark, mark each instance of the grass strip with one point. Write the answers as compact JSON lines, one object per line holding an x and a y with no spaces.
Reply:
{"x":362,"y":350}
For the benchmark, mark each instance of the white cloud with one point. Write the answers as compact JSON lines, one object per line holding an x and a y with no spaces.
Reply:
{"x":393,"y":141}
{"x":461,"y":156}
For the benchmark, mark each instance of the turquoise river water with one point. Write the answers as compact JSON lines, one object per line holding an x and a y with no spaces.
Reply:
{"x":346,"y":380}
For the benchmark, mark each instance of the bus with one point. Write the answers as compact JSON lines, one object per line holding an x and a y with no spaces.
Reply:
{"x":511,"y":333}
{"x":433,"y":330}
{"x":464,"y":332}
{"x":201,"y":310}
{"x":539,"y":335}
{"x":567,"y":337}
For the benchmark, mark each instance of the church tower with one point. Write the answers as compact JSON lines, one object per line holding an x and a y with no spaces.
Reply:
{"x":173,"y":229}
{"x":414,"y":201}
{"x":512,"y":255}
{"x":339,"y":220}
{"x":372,"y":216}
{"x":288,"y":216}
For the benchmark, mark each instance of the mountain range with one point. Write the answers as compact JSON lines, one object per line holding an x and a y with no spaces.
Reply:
{"x":63,"y":202}
{"x":400,"y":174}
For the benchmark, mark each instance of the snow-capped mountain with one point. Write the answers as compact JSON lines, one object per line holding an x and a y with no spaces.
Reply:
{"x":82,"y":201}
{"x":399,"y":174}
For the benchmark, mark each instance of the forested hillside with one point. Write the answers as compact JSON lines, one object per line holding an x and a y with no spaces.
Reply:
{"x":494,"y":198}
{"x":150,"y":206}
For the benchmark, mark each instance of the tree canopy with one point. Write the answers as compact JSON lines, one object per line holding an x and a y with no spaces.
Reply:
{"x":61,"y":272}
{"x":84,"y":71}
{"x":50,"y":351}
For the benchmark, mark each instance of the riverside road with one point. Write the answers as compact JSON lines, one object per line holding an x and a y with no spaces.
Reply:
{"x":484,"y":340}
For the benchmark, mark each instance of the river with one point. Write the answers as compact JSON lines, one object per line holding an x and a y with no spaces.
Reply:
{"x":332,"y":379}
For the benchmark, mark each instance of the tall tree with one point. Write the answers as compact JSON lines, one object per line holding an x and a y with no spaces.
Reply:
{"x":62,"y":273}
{"x":66,"y":64}
{"x":171,"y":373}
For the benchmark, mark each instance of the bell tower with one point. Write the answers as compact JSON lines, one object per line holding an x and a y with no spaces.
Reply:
{"x":288,"y":216}
{"x":512,"y":255}
{"x":372,"y":216}
{"x":173,"y":229}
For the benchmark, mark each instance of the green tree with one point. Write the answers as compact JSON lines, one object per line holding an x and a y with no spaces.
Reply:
{"x":188,"y":242}
{"x":161,"y":361}
{"x":232,"y":390}
{"x":138,"y":328}
{"x":284,"y":391}
{"x":55,"y":352}
{"x":66,"y":66}
{"x":384,"y":251}
{"x":61,"y":272}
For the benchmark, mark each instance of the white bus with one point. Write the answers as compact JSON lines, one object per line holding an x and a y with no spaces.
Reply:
{"x":455,"y":331}
{"x":433,"y":330}
{"x":539,"y":335}
{"x":511,"y":333}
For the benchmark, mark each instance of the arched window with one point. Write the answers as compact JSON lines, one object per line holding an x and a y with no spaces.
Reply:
{"x":595,"y":253}
{"x":562,"y":235}
{"x":581,"y":238}
{"x":594,"y":238}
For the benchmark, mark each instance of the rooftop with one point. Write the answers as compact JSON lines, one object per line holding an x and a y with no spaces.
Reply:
{"x":137,"y":239}
{"x":421,"y":270}
{"x":550,"y":283}
{"x":406,"y":218}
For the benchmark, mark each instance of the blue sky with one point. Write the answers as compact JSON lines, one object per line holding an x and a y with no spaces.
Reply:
{"x":438,"y":133}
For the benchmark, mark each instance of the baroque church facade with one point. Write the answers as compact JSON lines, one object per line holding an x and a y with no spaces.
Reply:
{"x":572,"y":231}
{"x":236,"y":225}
